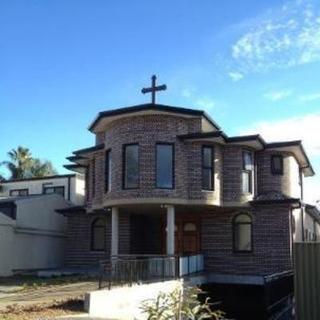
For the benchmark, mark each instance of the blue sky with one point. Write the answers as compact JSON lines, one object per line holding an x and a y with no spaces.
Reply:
{"x":253,"y":65}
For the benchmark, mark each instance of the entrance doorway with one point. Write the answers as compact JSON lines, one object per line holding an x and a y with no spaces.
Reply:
{"x":186,"y":236}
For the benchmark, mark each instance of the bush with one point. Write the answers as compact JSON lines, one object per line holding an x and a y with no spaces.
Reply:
{"x":180,"y":305}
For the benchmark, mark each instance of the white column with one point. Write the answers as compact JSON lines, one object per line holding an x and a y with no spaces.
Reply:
{"x":115,"y":231}
{"x":170,"y":229}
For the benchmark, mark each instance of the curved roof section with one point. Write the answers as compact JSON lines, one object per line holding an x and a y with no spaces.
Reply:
{"x":150,"y":107}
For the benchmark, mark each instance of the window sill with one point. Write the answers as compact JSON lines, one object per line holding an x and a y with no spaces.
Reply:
{"x":243,"y":253}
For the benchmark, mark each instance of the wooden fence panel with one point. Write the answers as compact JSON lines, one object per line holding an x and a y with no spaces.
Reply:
{"x":307,"y":280}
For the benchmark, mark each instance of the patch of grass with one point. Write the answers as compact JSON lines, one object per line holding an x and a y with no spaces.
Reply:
{"x":33,"y":283}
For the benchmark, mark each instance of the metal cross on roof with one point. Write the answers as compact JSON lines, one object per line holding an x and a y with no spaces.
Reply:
{"x":153,"y":89}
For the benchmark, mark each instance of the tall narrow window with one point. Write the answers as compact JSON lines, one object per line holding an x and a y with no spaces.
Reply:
{"x":93,"y":177}
{"x":277,"y":164}
{"x":107,"y":171}
{"x":87,"y":184}
{"x":131,"y":166}
{"x":247,"y":172}
{"x":242,"y":233}
{"x":98,"y":235}
{"x":207,"y":168}
{"x":164,"y":166}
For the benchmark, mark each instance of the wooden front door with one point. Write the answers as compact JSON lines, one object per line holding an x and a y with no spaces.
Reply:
{"x":187,"y":235}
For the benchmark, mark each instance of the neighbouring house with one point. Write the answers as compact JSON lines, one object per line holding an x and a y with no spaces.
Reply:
{"x":164,"y":180}
{"x":69,"y":186}
{"x":32,"y":234}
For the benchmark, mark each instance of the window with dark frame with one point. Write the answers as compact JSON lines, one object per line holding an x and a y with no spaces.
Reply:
{"x":107,"y":170}
{"x":53,"y":189}
{"x":98,"y":235}
{"x":87,"y":183}
{"x":165,"y":165}
{"x":242,"y":233}
{"x":19,"y":192}
{"x":131,"y":166}
{"x":247,"y":171}
{"x":93,"y":177}
{"x":207,"y":168}
{"x":277,"y":164}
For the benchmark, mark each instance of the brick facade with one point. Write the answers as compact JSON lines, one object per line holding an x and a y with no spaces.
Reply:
{"x":271,"y":242}
{"x":271,"y":224}
{"x":287,"y":183}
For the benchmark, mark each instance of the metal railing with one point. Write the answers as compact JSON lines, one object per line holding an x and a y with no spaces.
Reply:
{"x":130,"y":269}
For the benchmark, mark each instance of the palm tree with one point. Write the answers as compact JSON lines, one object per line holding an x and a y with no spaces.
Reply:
{"x":19,"y":163}
{"x":23,"y":165}
{"x":41,"y":169}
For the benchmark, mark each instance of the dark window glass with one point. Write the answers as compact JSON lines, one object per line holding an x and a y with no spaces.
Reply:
{"x":52,"y":189}
{"x":247,"y":172}
{"x":93,"y":177}
{"x":131,"y":166}
{"x":165,"y":166}
{"x":98,"y":235}
{"x":247,"y":163}
{"x":87,"y":184}
{"x":207,"y":168}
{"x":107,"y":169}
{"x":277,"y":164}
{"x":242,"y":233}
{"x":19,"y":193}
{"x":246,"y":181}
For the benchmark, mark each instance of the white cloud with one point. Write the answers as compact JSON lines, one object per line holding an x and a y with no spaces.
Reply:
{"x":205,"y":103}
{"x":186,"y":93}
{"x":235,"y":76}
{"x":278,"y":95}
{"x":310,"y":97}
{"x":303,"y":128}
{"x":281,"y":38}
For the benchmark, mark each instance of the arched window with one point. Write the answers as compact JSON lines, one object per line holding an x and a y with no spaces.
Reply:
{"x":98,"y":235}
{"x":189,"y":227}
{"x":242,"y":233}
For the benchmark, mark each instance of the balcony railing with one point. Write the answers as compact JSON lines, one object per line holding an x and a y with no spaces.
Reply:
{"x":130,"y":269}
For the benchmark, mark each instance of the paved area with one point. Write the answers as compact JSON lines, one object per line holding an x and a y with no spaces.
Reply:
{"x":47,"y":294}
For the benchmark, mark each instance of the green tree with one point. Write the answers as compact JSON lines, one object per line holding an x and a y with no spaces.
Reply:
{"x":22,"y":165}
{"x":41,"y":168}
{"x":19,"y":163}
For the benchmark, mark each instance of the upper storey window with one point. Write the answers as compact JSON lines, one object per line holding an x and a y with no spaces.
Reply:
{"x":277,"y":164}
{"x":131,"y":166}
{"x":207,"y":168}
{"x":247,"y":172}
{"x":107,"y":171}
{"x":48,"y":189}
{"x":19,"y":192}
{"x":164,"y":166}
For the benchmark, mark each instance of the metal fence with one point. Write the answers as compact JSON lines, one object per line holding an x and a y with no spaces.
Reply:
{"x":307,"y":280}
{"x":130,"y":269}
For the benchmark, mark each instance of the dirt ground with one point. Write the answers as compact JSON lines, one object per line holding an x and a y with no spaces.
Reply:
{"x":30,"y":298}
{"x":43,"y":311}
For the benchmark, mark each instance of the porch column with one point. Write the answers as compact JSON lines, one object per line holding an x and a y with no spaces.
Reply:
{"x":115,"y":231}
{"x":170,"y":229}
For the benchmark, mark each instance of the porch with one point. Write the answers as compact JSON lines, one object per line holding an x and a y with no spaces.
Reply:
{"x":164,"y":243}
